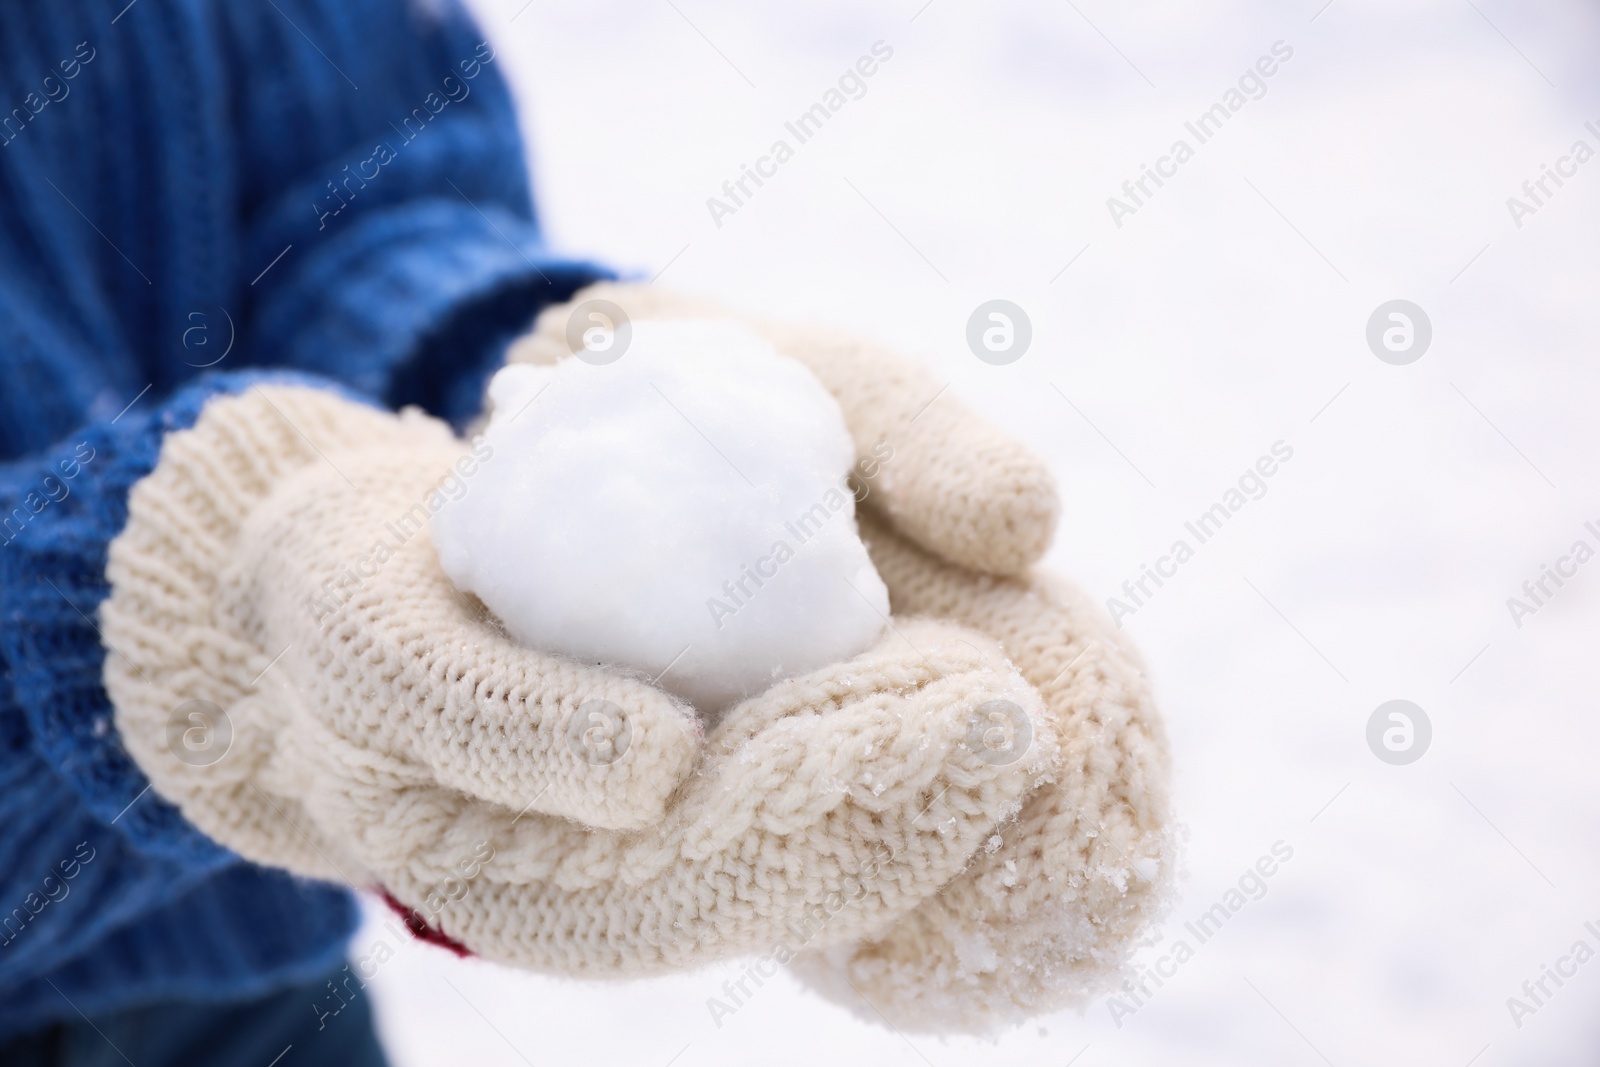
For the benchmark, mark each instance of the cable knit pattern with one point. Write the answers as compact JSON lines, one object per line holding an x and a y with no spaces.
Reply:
{"x":401,"y":731}
{"x":958,"y":486}
{"x":1049,"y":911}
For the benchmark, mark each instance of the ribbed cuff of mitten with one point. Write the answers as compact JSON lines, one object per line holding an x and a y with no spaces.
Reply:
{"x":184,"y":676}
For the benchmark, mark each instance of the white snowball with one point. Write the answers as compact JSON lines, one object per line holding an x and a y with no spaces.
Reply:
{"x":683,"y":511}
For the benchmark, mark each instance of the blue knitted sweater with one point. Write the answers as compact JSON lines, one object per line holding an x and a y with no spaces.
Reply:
{"x":194,"y":194}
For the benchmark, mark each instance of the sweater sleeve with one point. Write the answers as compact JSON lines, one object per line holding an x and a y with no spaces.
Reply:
{"x":60,"y":512}
{"x":392,"y":219}
{"x":68,"y":788}
{"x":346,"y":180}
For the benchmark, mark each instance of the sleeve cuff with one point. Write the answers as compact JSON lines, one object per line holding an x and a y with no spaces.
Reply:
{"x":419,"y":301}
{"x":52,"y":581}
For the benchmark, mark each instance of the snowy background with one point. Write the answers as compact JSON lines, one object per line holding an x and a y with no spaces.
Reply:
{"x":1227,"y":314}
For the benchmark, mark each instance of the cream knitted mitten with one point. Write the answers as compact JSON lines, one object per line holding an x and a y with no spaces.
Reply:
{"x":298,"y":675}
{"x":1047,"y":912}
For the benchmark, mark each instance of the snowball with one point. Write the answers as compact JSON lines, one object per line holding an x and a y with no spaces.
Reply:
{"x":684,"y":511}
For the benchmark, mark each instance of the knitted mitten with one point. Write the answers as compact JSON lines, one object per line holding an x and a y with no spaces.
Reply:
{"x":1047,"y":912}
{"x":295,"y":672}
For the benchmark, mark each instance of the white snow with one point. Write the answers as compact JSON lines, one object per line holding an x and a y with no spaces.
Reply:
{"x":683,"y":512}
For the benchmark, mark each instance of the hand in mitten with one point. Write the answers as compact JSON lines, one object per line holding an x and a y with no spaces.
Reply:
{"x":1050,"y":908}
{"x":1047,"y":913}
{"x":386,"y":733}
{"x":276,"y":584}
